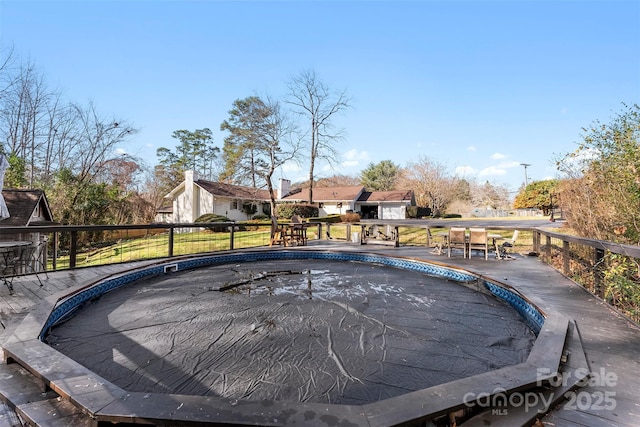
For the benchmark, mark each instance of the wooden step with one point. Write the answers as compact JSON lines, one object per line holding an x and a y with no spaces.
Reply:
{"x":8,"y":417}
{"x":18,"y":386}
{"x":540,"y":400}
{"x":54,"y":412}
{"x":29,"y":401}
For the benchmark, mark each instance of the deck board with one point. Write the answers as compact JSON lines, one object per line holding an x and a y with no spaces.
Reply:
{"x":611,"y":342}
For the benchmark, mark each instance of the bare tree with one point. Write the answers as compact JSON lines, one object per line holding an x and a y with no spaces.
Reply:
{"x":260,"y":141}
{"x":312,"y":99}
{"x":491,"y":196}
{"x":98,"y":139}
{"x":6,"y":77}
{"x":430,"y":182}
{"x":24,"y":117}
{"x":277,"y":147}
{"x":338,"y":181}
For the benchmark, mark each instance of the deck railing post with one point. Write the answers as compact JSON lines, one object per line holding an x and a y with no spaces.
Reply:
{"x":231,"y":235}
{"x":397,"y":230}
{"x":566,"y":257}
{"x":348,"y":232}
{"x":54,"y":249}
{"x":548,"y":249}
{"x":598,"y":272}
{"x":73,"y":249}
{"x":170,"y":248}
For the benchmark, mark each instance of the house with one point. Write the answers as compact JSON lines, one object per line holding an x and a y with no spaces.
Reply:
{"x":195,"y":197}
{"x":339,"y":200}
{"x":27,"y":208}
{"x":385,"y":204}
{"x":330,"y":200}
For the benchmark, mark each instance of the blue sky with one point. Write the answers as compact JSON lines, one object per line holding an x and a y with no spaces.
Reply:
{"x":478,"y":86}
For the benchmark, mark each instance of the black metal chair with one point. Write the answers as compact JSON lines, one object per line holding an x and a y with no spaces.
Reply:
{"x":22,"y":261}
{"x":504,"y":248}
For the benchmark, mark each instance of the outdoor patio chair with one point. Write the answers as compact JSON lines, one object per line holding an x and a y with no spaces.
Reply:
{"x":457,"y":239}
{"x":298,"y":231}
{"x":478,"y":240}
{"x":504,"y":248}
{"x":438,"y":242}
{"x":22,"y":261}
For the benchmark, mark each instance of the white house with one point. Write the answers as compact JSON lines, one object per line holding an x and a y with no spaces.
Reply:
{"x":330,"y":200}
{"x":195,"y":197}
{"x":385,"y":204}
{"x":370,"y":204}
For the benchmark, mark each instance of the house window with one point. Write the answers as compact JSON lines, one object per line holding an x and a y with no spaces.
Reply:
{"x":234,"y":205}
{"x":321,"y":205}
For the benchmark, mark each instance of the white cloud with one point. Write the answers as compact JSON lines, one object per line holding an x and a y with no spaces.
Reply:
{"x":508,"y":165}
{"x":121,"y":151}
{"x":492,"y":171}
{"x":353,"y":159}
{"x":579,"y":159}
{"x":291,"y":167}
{"x":471,"y":148}
{"x":350,"y":163}
{"x":498,"y":156}
{"x":355,"y":155}
{"x":465,"y":171}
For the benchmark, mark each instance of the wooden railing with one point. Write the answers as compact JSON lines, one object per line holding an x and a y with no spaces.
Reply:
{"x":608,"y":270}
{"x":592,"y":263}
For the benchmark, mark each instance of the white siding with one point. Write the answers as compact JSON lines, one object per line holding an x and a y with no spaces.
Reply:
{"x":331,"y":208}
{"x":393,"y":212}
{"x":205,"y":204}
{"x":181,"y":208}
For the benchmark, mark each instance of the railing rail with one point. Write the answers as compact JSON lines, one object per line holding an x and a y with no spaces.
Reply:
{"x":608,"y":270}
{"x":588,"y":261}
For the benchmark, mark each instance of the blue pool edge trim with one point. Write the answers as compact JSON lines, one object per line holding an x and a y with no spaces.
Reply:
{"x":65,"y":307}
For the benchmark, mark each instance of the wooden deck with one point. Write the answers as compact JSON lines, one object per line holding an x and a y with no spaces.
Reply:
{"x":611,"y":342}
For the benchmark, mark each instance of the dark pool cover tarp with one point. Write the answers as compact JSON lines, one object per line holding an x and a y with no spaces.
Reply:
{"x":311,"y":331}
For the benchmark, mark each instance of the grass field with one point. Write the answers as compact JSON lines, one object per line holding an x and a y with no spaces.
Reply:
{"x":156,"y":245}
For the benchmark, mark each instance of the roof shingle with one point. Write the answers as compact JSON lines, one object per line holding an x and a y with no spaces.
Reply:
{"x":233,"y":191}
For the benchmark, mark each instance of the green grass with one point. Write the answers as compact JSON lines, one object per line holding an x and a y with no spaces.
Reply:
{"x":157,"y":246}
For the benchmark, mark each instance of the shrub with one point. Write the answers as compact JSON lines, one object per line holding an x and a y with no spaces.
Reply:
{"x":261,"y":217}
{"x":418,"y":212}
{"x":329,"y":218}
{"x":302,"y":210}
{"x":350,"y":217}
{"x":214,"y":218}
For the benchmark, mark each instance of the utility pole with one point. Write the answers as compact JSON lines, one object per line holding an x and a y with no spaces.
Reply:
{"x":526,"y":180}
